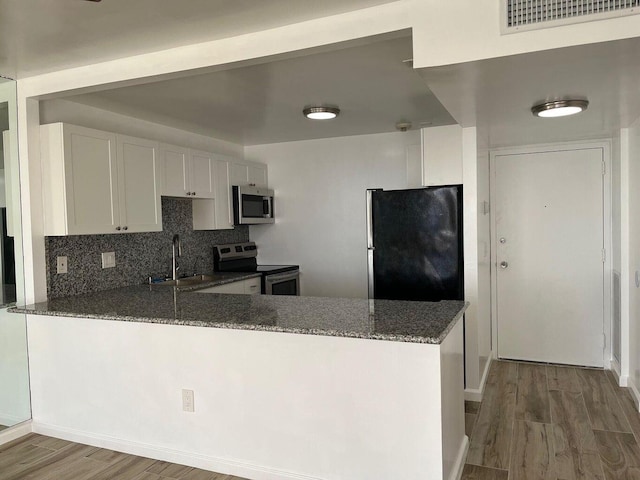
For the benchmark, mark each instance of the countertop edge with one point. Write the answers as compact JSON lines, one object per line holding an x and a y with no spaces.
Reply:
{"x":261,"y":328}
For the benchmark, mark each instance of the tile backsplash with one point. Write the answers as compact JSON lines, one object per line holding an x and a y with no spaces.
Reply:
{"x":138,"y":255}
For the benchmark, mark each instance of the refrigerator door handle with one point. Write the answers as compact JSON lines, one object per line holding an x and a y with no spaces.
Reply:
{"x":370,"y":219}
{"x":370,"y":246}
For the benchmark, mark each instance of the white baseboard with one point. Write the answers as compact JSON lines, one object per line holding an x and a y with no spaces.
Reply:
{"x":623,"y":380}
{"x":15,"y":432}
{"x":205,"y":462}
{"x":475,"y":395}
{"x":456,"y":473}
{"x":634,"y":392}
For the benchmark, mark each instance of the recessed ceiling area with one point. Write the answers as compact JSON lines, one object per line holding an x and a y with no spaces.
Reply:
{"x":38,"y":36}
{"x":373,"y":86}
{"x":496,"y":95}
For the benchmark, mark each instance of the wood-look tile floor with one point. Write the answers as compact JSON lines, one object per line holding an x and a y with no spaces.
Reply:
{"x":552,"y":423}
{"x":535,"y":422}
{"x":36,"y":457}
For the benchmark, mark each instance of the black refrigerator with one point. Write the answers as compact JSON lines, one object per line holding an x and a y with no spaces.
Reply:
{"x":415,"y":249}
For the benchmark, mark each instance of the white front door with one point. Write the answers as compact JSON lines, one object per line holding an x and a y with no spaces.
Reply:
{"x":549,"y":241}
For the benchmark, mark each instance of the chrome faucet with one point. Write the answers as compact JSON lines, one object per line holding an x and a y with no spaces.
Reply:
{"x":177,"y":252}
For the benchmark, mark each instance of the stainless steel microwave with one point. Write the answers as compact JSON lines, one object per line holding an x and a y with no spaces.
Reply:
{"x":252,"y":205}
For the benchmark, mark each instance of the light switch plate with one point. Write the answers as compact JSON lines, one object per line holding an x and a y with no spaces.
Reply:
{"x":108,"y":259}
{"x":61,"y":264}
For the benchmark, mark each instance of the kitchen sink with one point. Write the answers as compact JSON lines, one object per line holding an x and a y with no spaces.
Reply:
{"x":186,"y":281}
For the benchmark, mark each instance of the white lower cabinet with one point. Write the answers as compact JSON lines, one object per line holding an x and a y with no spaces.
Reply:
{"x":252,"y":286}
{"x":248,"y":287}
{"x":98,"y":182}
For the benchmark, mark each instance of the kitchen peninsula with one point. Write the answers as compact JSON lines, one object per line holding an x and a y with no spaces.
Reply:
{"x":284,"y":387}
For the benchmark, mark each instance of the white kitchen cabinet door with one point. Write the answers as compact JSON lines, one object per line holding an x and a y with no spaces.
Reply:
{"x":233,"y":287}
{"x":98,"y":182}
{"x":138,"y":177}
{"x":257,"y":175}
{"x":224,"y":209}
{"x":201,"y":174}
{"x":175,"y":166}
{"x":247,"y":173}
{"x":80,"y":183}
{"x":215,"y":214}
{"x":252,"y":286}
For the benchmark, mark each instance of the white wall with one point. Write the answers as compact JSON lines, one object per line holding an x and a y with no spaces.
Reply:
{"x":633,"y":176}
{"x":320,"y":206}
{"x":267,"y":405}
{"x":87,"y":116}
{"x":454,"y":32}
{"x":483,"y":220}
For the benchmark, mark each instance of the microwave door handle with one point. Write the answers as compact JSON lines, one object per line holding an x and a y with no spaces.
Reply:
{"x":269,"y":212}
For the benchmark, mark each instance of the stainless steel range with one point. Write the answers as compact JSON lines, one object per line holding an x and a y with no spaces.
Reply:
{"x":241,"y":257}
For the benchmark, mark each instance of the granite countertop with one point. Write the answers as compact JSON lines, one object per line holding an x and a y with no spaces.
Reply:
{"x":393,"y":320}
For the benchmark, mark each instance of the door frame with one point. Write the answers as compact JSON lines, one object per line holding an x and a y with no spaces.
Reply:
{"x":605,"y":146}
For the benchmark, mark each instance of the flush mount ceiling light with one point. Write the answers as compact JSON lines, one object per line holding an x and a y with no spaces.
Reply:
{"x":321,"y":113}
{"x":559,"y":108}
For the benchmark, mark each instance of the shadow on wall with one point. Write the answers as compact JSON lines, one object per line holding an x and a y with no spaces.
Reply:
{"x":138,"y":255}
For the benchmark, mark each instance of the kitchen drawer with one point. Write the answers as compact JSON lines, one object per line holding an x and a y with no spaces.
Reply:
{"x":252,"y":286}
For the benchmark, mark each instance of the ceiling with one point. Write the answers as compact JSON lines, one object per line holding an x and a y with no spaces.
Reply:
{"x":496,"y":95}
{"x":263,"y":103}
{"x":38,"y":36}
{"x":374,"y":88}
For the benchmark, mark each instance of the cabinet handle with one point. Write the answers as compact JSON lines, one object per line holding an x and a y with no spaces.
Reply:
{"x":118,"y":228}
{"x":125,"y":228}
{"x":188,"y":193}
{"x":193,"y":193}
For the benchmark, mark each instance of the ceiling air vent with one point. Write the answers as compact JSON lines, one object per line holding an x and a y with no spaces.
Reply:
{"x":519,"y":15}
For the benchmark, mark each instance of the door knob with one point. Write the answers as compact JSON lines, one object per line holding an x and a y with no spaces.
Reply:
{"x":503,"y":240}
{"x":504,"y":265}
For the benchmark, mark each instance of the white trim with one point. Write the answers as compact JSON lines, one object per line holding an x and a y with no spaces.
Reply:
{"x":623,"y":380}
{"x":605,"y":145}
{"x":456,"y":472}
{"x":15,"y":432}
{"x":634,"y":393}
{"x":206,"y":462}
{"x":476,"y":394}
{"x":625,"y":254}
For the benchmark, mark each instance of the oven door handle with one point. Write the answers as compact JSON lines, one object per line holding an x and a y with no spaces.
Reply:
{"x":280,"y":277}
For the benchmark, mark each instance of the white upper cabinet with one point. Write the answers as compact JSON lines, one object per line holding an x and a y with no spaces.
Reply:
{"x":187,"y":173}
{"x":97,"y":182}
{"x":224,"y":213}
{"x":248,"y":173}
{"x":201,"y":174}
{"x":210,"y":214}
{"x":138,"y":177}
{"x":175,"y":166}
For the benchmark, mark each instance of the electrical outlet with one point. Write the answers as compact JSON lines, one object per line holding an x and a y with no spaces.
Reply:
{"x":61,"y":264}
{"x":108,"y":259}
{"x":187,"y":401}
